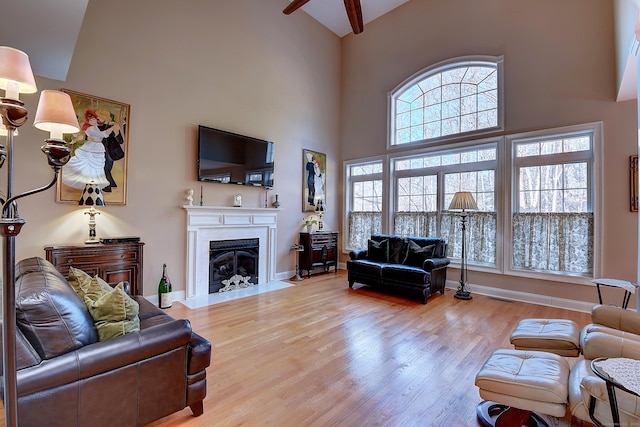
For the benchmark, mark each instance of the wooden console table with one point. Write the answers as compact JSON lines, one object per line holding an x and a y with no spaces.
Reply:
{"x":111,"y":262}
{"x":320,"y":250}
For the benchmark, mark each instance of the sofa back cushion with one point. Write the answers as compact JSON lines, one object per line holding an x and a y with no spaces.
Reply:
{"x":378,"y":250}
{"x":48,"y":312}
{"x":416,"y":254}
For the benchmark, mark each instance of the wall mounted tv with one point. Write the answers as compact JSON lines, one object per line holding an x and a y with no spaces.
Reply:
{"x":234,"y":159}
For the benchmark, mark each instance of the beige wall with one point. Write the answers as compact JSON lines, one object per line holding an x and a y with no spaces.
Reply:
{"x":238,"y":65}
{"x":559,"y":70}
{"x":243,"y":66}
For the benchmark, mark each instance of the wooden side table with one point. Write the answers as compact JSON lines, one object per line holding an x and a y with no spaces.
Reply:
{"x":112,"y":262}
{"x":628,"y":287}
{"x":320,"y":251}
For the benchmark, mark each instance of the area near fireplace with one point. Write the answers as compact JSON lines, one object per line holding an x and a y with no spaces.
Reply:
{"x":206,"y":224}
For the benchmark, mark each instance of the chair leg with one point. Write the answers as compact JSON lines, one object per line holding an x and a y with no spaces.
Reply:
{"x":197,"y":408}
{"x":493,"y":414}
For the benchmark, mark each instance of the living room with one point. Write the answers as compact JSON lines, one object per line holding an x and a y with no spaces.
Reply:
{"x":244,"y":67}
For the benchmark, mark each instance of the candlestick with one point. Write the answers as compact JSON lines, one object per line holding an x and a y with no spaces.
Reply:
{"x":201,"y":202}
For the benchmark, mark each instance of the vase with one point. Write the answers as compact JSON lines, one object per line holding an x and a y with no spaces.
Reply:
{"x":309,"y":229}
{"x":276,"y":204}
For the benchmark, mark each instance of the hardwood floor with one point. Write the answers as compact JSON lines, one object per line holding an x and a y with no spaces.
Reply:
{"x":320,"y":354}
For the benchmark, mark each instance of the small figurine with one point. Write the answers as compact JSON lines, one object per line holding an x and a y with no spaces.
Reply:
{"x":189,"y":197}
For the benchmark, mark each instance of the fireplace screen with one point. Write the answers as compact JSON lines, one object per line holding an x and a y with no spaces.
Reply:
{"x":233,"y":259}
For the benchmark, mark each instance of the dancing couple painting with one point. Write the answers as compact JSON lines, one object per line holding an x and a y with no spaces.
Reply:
{"x":99,"y":150}
{"x":315,"y":168}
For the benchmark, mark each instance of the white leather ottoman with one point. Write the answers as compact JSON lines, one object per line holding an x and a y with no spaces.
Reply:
{"x":517,"y":383}
{"x":558,"y":336}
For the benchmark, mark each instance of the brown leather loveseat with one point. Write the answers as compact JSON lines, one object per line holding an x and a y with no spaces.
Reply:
{"x":66,"y":377}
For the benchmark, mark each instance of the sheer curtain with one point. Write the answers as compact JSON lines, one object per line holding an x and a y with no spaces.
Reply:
{"x":553,"y":242}
{"x":481,"y":235}
{"x":361,"y":226}
{"x":418,"y":224}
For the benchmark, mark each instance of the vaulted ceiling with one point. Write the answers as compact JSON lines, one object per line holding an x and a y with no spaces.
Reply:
{"x":48,"y":30}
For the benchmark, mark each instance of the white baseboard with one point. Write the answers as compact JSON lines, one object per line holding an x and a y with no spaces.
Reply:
{"x":510,"y":295}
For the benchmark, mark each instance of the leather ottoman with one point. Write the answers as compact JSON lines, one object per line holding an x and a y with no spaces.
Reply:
{"x":558,"y":336}
{"x":517,"y":383}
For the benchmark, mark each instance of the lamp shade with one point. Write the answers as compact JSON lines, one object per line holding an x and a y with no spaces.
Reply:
{"x":320,"y":208}
{"x":15,"y":72}
{"x":463,"y":201}
{"x":91,"y":196}
{"x":55,"y":114}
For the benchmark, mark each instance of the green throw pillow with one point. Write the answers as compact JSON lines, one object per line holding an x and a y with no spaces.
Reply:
{"x":378,"y":251}
{"x":416,"y":254}
{"x":114,"y":312}
{"x":79,"y":281}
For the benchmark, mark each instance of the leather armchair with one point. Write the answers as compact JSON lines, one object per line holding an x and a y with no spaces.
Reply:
{"x":615,"y":332}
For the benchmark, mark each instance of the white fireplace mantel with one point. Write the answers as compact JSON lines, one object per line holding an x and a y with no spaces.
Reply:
{"x":209,"y":223}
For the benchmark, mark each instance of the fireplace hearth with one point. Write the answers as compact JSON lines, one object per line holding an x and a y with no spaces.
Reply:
{"x":233,"y":263}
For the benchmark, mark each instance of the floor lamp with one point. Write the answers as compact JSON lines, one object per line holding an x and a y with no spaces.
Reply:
{"x":54,"y":114}
{"x":463,"y":201}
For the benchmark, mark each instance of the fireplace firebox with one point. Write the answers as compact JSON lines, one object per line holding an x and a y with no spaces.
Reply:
{"x":228,"y":258}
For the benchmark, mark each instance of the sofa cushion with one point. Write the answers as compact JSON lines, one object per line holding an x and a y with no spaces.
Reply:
{"x":378,"y":251}
{"x":397,"y":250}
{"x":366,"y":267}
{"x":48,"y":312}
{"x":416,"y":254}
{"x":405,"y":273}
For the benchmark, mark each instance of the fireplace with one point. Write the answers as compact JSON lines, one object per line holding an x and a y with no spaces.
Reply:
{"x":208,"y":223}
{"x":233,"y":264}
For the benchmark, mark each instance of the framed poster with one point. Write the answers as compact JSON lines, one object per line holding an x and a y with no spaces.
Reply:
{"x":98,"y":152}
{"x":314,"y":168}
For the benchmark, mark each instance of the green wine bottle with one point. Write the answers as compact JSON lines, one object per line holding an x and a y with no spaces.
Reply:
{"x":164,"y":289}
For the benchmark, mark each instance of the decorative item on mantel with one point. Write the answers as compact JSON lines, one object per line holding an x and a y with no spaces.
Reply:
{"x":276,"y":203}
{"x":237,"y":200}
{"x":189,"y":197}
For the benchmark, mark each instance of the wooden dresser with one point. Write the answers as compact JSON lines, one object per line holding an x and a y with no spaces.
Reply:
{"x":111,"y":262}
{"x":320,"y":251}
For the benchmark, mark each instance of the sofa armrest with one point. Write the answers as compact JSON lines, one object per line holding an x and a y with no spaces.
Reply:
{"x":435,"y":263}
{"x":104,"y":356}
{"x":628,"y":404}
{"x":616,"y":318}
{"x":360,"y":254}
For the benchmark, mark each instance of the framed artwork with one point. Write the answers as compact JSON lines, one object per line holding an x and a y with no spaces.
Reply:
{"x":99,"y":151}
{"x":314,"y":168}
{"x":633,"y":165}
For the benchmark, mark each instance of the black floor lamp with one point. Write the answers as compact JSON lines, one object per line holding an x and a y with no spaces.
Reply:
{"x":463,"y":201}
{"x":54,"y":114}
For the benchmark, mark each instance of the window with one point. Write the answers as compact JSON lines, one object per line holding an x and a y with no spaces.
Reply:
{"x":425,"y":185}
{"x":364,"y":204}
{"x":461,"y":96}
{"x":553,"y":229}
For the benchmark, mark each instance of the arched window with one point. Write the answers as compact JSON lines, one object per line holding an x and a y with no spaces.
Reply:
{"x":462,"y":96}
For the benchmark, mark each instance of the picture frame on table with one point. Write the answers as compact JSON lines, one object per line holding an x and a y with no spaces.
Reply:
{"x":314,"y":169}
{"x":99,"y":150}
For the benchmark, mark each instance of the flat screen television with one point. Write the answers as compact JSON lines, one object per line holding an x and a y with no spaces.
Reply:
{"x":231,"y":158}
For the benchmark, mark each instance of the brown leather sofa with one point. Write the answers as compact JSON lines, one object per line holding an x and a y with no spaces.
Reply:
{"x":66,"y":377}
